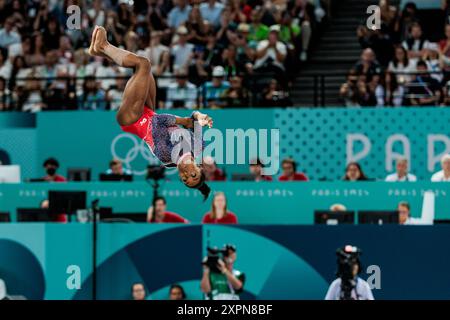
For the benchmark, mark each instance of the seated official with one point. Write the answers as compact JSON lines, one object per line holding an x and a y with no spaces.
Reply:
{"x":401,"y":173}
{"x":116,"y":167}
{"x":404,"y":214}
{"x":219,"y":213}
{"x":160,"y":215}
{"x":212,"y":172}
{"x":290,"y":173}
{"x":51,"y":165}
{"x":256,"y":169}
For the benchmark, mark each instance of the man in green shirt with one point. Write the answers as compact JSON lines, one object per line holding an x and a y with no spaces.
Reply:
{"x":226,"y":284}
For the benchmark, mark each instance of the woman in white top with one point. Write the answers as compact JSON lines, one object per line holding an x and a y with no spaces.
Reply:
{"x":401,"y":65}
{"x":444,"y":174}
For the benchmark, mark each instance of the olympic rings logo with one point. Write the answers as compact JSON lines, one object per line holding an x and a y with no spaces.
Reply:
{"x":138,"y":147}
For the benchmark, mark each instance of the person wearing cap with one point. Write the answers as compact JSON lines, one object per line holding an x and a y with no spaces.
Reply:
{"x":179,"y":14}
{"x":431,"y":57}
{"x":213,"y":90}
{"x":182,"y":51}
{"x":211,"y":11}
{"x":181,"y":93}
{"x":271,"y":53}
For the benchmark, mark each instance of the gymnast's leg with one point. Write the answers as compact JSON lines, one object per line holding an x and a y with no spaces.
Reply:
{"x":138,"y":91}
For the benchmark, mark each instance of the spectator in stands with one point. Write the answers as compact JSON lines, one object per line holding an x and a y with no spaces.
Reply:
{"x":401,"y":66}
{"x":5,"y":64}
{"x":179,"y":14}
{"x":408,"y":17}
{"x":376,"y":92}
{"x":211,"y":11}
{"x":37,"y":53}
{"x":211,"y":171}
{"x":354,"y":172}
{"x":394,"y":93}
{"x":138,"y":291}
{"x":116,"y":167}
{"x":197,"y":27}
{"x":289,"y":167}
{"x":401,"y":173}
{"x":8,"y":35}
{"x":33,"y":94}
{"x":258,"y":31}
{"x":348,"y":90}
{"x":5,"y":103}
{"x":213,"y":90}
{"x":275,"y":96}
{"x":219,"y":212}
{"x":444,"y":50}
{"x":367,"y":65}
{"x":52,"y":33}
{"x":446,"y":94}
{"x":164,"y":78}
{"x":416,"y":44}
{"x":181,"y":93}
{"x":444,"y":174}
{"x":256,"y":168}
{"x":236,"y":95}
{"x":51,"y":165}
{"x":115,"y":93}
{"x":271,"y":53}
{"x":93,"y":97}
{"x":404,"y":214}
{"x":154,"y":52}
{"x":304,"y":15}
{"x":161,"y":215}
{"x":176,"y":292}
{"x":423,"y":90}
{"x":233,"y":63}
{"x":433,"y":62}
{"x":182,"y":49}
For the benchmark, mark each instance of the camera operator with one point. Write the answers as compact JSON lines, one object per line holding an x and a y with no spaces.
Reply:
{"x":348,"y":286}
{"x":220,"y":280}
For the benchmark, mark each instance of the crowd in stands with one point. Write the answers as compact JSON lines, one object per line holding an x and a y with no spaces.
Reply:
{"x":400,"y":63}
{"x":206,"y":53}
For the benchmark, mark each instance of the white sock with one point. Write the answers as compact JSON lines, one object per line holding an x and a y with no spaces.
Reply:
{"x":116,"y":54}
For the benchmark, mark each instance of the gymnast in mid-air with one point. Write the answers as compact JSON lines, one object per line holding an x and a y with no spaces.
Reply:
{"x":137,"y":115}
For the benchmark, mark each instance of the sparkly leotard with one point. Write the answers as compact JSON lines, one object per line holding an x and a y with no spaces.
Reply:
{"x":167,"y":141}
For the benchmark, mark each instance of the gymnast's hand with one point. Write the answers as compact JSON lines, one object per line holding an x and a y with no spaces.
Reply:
{"x":203,"y":119}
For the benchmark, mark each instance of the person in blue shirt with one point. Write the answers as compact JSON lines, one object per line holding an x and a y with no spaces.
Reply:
{"x":213,"y":90}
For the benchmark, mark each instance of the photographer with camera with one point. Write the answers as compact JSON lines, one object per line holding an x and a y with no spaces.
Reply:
{"x":348,"y":286}
{"x":220,"y":280}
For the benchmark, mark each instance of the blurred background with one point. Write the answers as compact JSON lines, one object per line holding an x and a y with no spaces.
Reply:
{"x":359,"y":98}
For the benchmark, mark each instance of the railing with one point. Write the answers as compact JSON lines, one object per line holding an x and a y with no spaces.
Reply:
{"x":67,"y":92}
{"x":60,"y":93}
{"x":318,"y":84}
